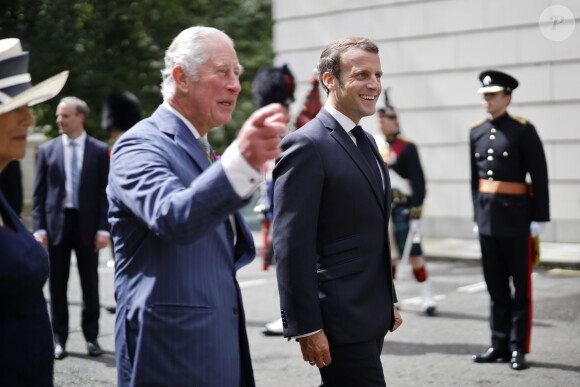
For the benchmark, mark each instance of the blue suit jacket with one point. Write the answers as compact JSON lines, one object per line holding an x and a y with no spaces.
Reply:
{"x":49,"y":190}
{"x":330,"y":236}
{"x":180,"y":319}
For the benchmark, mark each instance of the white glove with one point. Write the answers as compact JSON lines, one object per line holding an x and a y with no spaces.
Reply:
{"x":414,"y":224}
{"x":476,"y":230}
{"x":536,"y":228}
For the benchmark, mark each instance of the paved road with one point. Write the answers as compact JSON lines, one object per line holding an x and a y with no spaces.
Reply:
{"x":425,"y":351}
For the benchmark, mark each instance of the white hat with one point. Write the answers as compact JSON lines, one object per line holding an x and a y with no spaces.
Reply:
{"x":15,"y":87}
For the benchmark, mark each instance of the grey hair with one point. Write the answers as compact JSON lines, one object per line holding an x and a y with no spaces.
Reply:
{"x":81,"y":106}
{"x":188,"y":51}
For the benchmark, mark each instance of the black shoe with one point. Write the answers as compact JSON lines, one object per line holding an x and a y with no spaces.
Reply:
{"x":518,"y":361}
{"x":270,"y":332}
{"x":93,"y":348}
{"x":59,"y":352}
{"x":111,"y":308}
{"x":431,"y":311}
{"x":491,"y":355}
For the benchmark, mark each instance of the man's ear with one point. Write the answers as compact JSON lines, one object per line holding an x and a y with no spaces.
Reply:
{"x":180,"y":77}
{"x":330,"y":81}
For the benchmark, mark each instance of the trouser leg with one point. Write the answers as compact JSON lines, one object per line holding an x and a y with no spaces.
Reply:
{"x":520,"y":271}
{"x":496,"y":274}
{"x":357,"y":364}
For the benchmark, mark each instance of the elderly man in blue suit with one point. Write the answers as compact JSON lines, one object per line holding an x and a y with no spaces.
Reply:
{"x":331,"y":211}
{"x":178,"y":236}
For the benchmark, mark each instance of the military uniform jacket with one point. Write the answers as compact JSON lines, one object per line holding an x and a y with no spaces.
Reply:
{"x":402,"y":157}
{"x":507,"y":149}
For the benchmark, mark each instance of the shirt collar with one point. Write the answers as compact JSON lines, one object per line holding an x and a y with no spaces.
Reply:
{"x":343,"y":120}
{"x":182,"y":118}
{"x":80,"y":140}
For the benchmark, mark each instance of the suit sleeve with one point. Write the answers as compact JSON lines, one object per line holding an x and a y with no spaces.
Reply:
{"x":144,"y":181}
{"x":298,"y":182}
{"x":39,"y":193}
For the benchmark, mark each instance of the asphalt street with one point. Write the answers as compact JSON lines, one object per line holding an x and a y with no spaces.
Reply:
{"x":425,"y":351}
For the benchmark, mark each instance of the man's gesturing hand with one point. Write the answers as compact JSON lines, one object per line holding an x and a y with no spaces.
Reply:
{"x":315,"y":349}
{"x":260,"y":135}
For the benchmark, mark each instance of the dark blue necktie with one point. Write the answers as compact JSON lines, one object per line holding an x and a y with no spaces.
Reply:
{"x":363,"y":144}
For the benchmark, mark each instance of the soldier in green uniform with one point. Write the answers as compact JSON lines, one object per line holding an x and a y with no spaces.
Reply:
{"x":504,"y":149}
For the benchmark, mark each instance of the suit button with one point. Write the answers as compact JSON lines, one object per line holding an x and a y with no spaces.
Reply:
{"x":236,"y":311}
{"x":490,"y":173}
{"x":492,"y":137}
{"x":505,"y":154}
{"x":493,"y":130}
{"x":489,"y":158}
{"x":490,"y":151}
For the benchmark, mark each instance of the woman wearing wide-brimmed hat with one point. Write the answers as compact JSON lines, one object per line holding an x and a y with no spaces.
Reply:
{"x":27,"y":350}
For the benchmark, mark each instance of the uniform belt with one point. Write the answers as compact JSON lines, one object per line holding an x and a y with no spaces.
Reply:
{"x":503,"y":187}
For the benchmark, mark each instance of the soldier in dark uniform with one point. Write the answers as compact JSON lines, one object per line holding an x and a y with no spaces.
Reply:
{"x":503,"y":150}
{"x":408,"y":193}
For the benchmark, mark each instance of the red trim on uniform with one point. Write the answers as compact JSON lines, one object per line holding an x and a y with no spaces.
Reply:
{"x":396,"y":148}
{"x":530,"y":266}
{"x":265,"y":228}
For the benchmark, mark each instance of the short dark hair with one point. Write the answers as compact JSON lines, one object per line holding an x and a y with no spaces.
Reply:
{"x":330,"y":57}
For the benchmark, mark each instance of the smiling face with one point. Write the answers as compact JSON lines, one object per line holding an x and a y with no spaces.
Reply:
{"x":356,"y":93}
{"x":209,"y":101}
{"x":13,"y":130}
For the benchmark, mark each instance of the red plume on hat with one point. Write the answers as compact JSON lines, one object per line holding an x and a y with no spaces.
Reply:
{"x":312,"y":105}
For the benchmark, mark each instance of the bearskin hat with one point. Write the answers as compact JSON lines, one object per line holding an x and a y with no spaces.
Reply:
{"x":273,"y":84}
{"x":121,"y":110}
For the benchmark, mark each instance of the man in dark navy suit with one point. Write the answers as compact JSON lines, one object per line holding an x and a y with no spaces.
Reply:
{"x":331,"y":212}
{"x":70,"y":212}
{"x":503,"y":150}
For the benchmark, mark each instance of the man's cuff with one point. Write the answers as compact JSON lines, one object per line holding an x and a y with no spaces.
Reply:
{"x":306,"y":334}
{"x":39,"y":232}
{"x":243,"y":178}
{"x":104,"y":233}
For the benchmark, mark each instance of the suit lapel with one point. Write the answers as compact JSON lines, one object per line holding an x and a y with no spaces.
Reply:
{"x":341,"y":136}
{"x":175,"y":128}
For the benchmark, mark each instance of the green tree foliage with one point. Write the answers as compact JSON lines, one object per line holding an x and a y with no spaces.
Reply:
{"x":112,"y":45}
